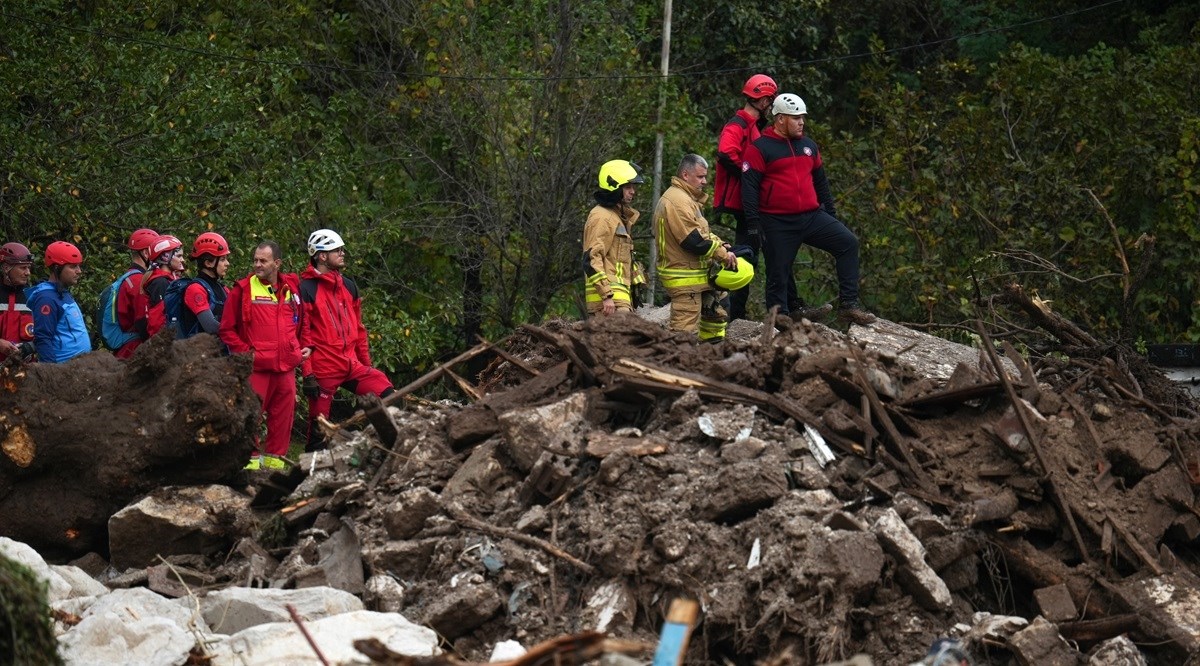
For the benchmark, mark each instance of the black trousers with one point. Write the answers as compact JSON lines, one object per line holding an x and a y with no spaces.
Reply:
{"x":782,"y":237}
{"x":752,"y":238}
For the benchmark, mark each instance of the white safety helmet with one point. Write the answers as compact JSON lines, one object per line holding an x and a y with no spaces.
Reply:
{"x":323,"y":240}
{"x":789,"y":105}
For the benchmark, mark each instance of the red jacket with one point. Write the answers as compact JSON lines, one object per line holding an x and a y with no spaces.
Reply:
{"x":268,"y":324}
{"x":332,"y":322}
{"x":731,"y":149}
{"x":16,"y":320}
{"x":154,"y":287}
{"x":783,"y":177}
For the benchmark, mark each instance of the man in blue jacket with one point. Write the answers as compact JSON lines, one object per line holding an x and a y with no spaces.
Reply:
{"x":59,"y":332}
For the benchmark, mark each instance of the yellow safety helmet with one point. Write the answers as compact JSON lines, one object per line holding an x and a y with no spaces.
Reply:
{"x":616,"y":173}
{"x":734,"y":279}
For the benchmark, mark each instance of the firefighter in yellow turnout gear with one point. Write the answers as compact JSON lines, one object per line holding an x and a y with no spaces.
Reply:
{"x":608,"y":239}
{"x":694,"y":265}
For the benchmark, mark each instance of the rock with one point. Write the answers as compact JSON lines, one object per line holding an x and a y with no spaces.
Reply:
{"x":340,"y":558}
{"x":914,"y":573}
{"x":1039,"y":644}
{"x":732,"y":424}
{"x":384,"y":594}
{"x":1119,"y":651}
{"x":529,"y":432}
{"x":405,"y":517}
{"x":283,"y":643}
{"x":746,"y":448}
{"x":507,"y":651}
{"x":406,"y":560}
{"x":462,"y":608}
{"x":473,"y":424}
{"x":233,"y":609}
{"x":740,"y":490}
{"x":133,"y":626}
{"x":611,"y":608}
{"x":482,"y":473}
{"x":1055,"y":603}
{"x":57,"y":587}
{"x":92,"y":563}
{"x":175,"y":520}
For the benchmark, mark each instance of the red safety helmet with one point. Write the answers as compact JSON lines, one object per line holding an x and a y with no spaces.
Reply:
{"x":142,"y":239}
{"x":759,"y":86}
{"x":61,"y":253}
{"x":210,"y":242}
{"x":162,"y":245}
{"x":15,"y":254}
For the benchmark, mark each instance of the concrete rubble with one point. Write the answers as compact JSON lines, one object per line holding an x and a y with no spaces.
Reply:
{"x":818,"y":494}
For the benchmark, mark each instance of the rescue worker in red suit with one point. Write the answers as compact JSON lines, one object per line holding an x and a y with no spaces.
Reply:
{"x":166,"y":261}
{"x":331,"y":329}
{"x":262,"y":318}
{"x":204,"y":299}
{"x":16,"y":320}
{"x":131,"y":300}
{"x":739,"y":132}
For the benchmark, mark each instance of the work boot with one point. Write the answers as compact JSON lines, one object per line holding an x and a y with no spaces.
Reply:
{"x":813,"y":313}
{"x":853,"y":313}
{"x":273,"y":462}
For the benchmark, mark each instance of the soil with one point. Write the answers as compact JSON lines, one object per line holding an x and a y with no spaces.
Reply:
{"x":622,"y":493}
{"x":85,"y":438}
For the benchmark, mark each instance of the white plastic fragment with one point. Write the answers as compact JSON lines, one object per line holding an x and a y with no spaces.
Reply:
{"x":755,"y":555}
{"x":817,"y":446}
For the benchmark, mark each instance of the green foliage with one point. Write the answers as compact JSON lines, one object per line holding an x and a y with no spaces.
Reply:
{"x":26,"y":633}
{"x":454,"y":143}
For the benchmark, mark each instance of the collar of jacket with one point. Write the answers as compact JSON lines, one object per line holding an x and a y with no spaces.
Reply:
{"x":697,"y":195}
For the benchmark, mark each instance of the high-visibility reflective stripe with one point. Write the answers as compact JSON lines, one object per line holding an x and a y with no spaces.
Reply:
{"x":596,"y":277}
{"x":682,"y":277}
{"x":620,"y":294}
{"x":710,"y":330}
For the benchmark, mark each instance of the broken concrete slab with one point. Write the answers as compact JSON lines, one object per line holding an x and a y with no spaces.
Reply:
{"x":1056,"y":604}
{"x":177,"y":520}
{"x":234,"y":609}
{"x":554,"y":427}
{"x":1040,"y":644}
{"x":914,"y":573}
{"x":1170,"y":601}
{"x":1119,"y":651}
{"x":405,"y":517}
{"x":283,"y":642}
{"x":462,"y":608}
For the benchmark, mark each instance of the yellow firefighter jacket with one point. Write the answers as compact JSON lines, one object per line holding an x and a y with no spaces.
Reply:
{"x":608,"y":253}
{"x":686,"y":247}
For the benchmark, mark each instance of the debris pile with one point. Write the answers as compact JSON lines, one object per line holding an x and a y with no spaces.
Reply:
{"x":819,"y":494}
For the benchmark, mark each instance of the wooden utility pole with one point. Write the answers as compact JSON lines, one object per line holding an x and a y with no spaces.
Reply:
{"x":651,"y":271}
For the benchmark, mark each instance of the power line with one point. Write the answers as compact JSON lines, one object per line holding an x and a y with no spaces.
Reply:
{"x":216,"y":55}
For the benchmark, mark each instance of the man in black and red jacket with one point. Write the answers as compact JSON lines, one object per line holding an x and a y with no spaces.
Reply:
{"x":16,"y":320}
{"x":786,"y":191}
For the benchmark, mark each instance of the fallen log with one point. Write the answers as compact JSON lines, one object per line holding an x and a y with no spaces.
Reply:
{"x":85,"y":438}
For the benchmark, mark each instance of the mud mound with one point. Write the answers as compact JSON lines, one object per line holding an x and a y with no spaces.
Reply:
{"x":83,"y":439}
{"x":814,"y":496}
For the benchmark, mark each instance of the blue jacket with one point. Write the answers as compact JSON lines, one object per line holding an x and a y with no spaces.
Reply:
{"x":59,"y":332}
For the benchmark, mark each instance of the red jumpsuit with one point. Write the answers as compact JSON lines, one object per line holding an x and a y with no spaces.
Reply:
{"x":332,"y":326}
{"x":265,"y":321}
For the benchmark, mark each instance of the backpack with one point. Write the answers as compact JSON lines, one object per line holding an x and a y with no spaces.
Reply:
{"x":174,"y":309}
{"x":110,"y":328}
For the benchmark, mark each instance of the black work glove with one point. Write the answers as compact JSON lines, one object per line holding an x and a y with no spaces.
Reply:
{"x":311,"y":387}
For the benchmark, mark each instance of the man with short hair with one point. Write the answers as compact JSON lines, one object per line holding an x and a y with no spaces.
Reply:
{"x":687,"y":250}
{"x":332,"y":331}
{"x":59,"y":332}
{"x":785,"y":189}
{"x":131,"y":302}
{"x":263,"y":319}
{"x":16,"y":320}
